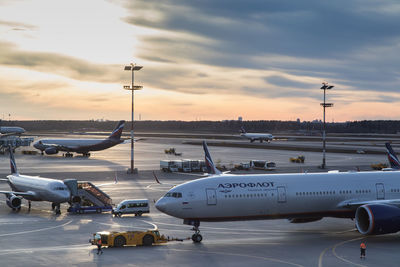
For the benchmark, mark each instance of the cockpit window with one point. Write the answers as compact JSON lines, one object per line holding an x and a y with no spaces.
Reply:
{"x":173,"y":194}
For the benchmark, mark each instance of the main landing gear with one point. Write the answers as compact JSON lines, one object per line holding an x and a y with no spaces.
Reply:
{"x":196,"y":237}
{"x":68,"y":155}
{"x":56,"y":208}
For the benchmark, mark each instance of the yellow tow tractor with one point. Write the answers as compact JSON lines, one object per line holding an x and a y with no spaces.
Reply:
{"x":130,"y":238}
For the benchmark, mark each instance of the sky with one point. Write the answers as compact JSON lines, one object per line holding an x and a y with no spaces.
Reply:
{"x":202,"y":59}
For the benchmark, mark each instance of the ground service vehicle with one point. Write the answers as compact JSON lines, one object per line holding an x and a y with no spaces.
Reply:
{"x":169,"y":166}
{"x":130,"y":238}
{"x":262,"y":165}
{"x":299,"y":159}
{"x":132,"y":206}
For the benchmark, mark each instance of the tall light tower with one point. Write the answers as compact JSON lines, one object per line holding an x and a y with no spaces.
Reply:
{"x":132,"y":67}
{"x":325,"y":87}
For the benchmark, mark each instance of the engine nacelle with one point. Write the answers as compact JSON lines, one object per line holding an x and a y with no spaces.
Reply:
{"x":51,"y":150}
{"x":377,"y":219}
{"x":304,"y":220}
{"x":14,"y":201}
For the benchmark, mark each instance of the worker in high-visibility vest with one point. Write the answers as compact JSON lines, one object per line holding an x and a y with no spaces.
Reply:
{"x":99,"y":250}
{"x":363,"y":247}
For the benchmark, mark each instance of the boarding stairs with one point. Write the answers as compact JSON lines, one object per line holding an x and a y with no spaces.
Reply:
{"x":92,"y":194}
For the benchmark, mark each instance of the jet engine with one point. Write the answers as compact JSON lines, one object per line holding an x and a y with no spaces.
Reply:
{"x":304,"y":220}
{"x":51,"y":150}
{"x":14,"y":201}
{"x":377,"y":219}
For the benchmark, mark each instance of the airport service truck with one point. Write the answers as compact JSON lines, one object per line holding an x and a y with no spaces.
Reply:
{"x":262,"y":165}
{"x":170,"y":165}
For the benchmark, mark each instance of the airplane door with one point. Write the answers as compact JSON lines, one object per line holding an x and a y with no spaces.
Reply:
{"x":281,"y":194}
{"x":211,"y":196}
{"x":380,"y":191}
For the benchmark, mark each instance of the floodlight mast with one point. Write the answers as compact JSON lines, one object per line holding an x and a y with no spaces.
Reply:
{"x":132,"y":67}
{"x":325,"y":87}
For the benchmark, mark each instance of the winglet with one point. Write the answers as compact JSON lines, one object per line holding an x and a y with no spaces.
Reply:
{"x":116,"y":133}
{"x":13,"y":165}
{"x":393,"y":160}
{"x":242,"y":130}
{"x":208,"y":160}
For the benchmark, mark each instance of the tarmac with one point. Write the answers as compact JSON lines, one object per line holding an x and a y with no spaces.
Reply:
{"x":40,"y":238}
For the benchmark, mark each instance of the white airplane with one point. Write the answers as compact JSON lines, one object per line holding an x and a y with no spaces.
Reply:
{"x":372,"y":198}
{"x":11,"y":130}
{"x":83,"y":146}
{"x":34,"y":188}
{"x":256,"y":136}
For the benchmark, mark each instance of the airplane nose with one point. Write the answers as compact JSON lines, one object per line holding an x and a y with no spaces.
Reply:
{"x":161,"y":205}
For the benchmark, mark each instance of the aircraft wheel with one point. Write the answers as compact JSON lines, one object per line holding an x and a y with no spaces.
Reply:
{"x":197,"y":238}
{"x":53,"y":206}
{"x":119,"y":214}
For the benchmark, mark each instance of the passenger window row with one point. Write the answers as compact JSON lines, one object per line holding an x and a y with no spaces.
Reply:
{"x":247,"y":195}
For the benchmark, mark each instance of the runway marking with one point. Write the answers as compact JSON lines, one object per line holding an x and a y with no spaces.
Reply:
{"x":337,"y":256}
{"x":240,"y":255}
{"x":37,"y":230}
{"x":41,"y":249}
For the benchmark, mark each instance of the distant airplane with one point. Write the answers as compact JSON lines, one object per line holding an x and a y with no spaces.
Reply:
{"x":256,"y":136}
{"x":371,"y":198}
{"x":34,"y":188}
{"x":83,"y":146}
{"x":11,"y":130}
{"x":393,"y":160}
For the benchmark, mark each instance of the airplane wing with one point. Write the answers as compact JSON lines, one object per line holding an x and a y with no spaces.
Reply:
{"x":22,"y":194}
{"x":355,"y":204}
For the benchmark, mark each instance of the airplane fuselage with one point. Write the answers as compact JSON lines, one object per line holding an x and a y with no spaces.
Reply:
{"x":77,"y":145}
{"x":43,"y":189}
{"x":247,"y":197}
{"x":257,"y":136}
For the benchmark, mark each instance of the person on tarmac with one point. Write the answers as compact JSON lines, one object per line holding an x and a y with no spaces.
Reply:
{"x":363,"y":247}
{"x":99,"y":250}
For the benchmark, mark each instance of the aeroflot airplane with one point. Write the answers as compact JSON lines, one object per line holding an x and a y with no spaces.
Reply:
{"x":256,"y":136}
{"x":372,"y":198}
{"x":83,"y":146}
{"x":34,"y":188}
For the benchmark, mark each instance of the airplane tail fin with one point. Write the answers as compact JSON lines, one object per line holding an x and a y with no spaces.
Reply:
{"x":13,"y":165}
{"x":209,"y":162}
{"x":116,"y":133}
{"x":393,"y":160}
{"x":242,"y":130}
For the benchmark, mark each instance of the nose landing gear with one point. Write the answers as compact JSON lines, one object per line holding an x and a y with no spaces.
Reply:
{"x":196,"y":237}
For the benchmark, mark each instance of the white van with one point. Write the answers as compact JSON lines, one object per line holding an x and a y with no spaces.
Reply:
{"x":132,"y":206}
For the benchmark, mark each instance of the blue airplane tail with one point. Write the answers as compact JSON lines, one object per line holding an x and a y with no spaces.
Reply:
{"x":116,"y":133}
{"x":209,"y":162}
{"x":393,"y":160}
{"x":13,"y":165}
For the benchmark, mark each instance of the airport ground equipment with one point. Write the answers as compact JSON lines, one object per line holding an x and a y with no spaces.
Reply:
{"x":262,"y":165}
{"x":299,"y":159}
{"x":379,"y":166}
{"x":86,"y":197}
{"x":130,"y":238}
{"x":242,"y":166}
{"x":131,"y":206}
{"x":169,"y":165}
{"x":172,"y":151}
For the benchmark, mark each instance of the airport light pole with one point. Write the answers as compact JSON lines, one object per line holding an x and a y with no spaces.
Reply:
{"x":132,"y":67}
{"x":324,"y":87}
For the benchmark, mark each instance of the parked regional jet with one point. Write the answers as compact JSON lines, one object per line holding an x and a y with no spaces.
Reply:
{"x":256,"y":136}
{"x":83,"y":146}
{"x":34,"y":188}
{"x":372,"y":198}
